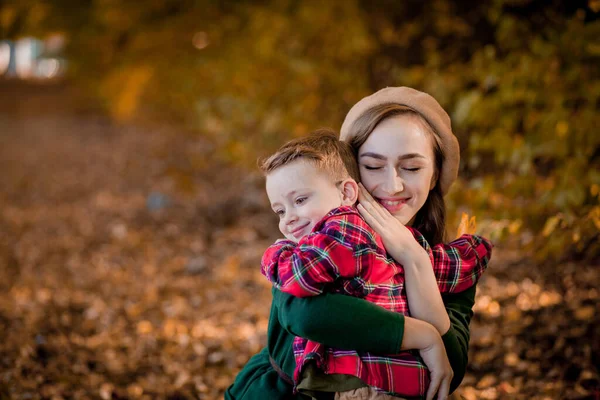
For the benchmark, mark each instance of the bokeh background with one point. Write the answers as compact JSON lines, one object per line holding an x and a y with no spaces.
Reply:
{"x":133,"y":218}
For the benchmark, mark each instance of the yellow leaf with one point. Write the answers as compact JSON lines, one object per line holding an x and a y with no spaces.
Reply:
{"x":518,"y":141}
{"x":594,"y":190}
{"x":144,"y":327}
{"x":576,"y":236}
{"x":467,"y":225}
{"x":550,"y":225}
{"x":562,"y":128}
{"x":585,"y":313}
{"x":595,"y":216}
{"x":514,"y":226}
{"x":133,"y":83}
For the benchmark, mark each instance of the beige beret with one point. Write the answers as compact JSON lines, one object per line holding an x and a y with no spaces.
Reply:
{"x":430,"y":109}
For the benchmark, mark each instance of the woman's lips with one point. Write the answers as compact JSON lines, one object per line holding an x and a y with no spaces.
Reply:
{"x":393,"y":205}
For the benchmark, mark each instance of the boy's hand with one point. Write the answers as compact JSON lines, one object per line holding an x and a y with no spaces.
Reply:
{"x":397,"y":239}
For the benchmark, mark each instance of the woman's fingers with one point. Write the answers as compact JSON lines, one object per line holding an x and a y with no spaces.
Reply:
{"x":370,"y":204}
{"x":365,"y":192}
{"x":365,"y":195}
{"x":382,"y":211}
{"x":362,"y":209}
{"x":369,"y":217}
{"x":433,"y":386}
{"x":361,"y":195}
{"x":444,"y":389}
{"x":440,"y":385}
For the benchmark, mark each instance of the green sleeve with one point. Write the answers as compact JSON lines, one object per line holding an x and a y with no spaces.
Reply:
{"x":328,"y":319}
{"x":341,"y":321}
{"x":456,"y":340}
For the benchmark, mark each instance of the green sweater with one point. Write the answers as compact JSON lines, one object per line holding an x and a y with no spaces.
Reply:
{"x":343,"y":322}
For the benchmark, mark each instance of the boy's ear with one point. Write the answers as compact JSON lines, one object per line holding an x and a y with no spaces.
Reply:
{"x":349,"y":189}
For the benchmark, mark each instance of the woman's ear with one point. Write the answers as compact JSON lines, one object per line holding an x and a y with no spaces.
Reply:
{"x":349,"y":189}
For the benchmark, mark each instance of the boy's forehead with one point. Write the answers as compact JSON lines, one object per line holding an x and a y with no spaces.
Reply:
{"x":294,"y":175}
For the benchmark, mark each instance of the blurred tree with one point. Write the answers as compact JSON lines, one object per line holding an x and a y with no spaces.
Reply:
{"x":519,"y":77}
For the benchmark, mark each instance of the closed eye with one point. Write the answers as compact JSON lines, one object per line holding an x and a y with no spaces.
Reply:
{"x":367,"y":167}
{"x":411,"y":169}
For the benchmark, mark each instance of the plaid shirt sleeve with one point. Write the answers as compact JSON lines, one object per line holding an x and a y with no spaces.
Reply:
{"x":458,"y":265}
{"x":320,"y":258}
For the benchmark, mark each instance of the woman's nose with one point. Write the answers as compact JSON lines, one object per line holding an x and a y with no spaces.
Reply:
{"x":393,"y":182}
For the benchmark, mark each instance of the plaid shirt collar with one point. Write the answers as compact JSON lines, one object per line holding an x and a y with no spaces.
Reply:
{"x":342,"y":210}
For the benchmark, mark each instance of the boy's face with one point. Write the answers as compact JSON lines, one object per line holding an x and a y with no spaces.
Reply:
{"x":301,"y":196}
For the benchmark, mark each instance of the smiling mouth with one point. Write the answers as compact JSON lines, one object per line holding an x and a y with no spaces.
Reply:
{"x":392,"y":203}
{"x":296,"y":231}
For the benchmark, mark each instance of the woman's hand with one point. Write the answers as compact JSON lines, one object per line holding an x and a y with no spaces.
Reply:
{"x":440,"y":370}
{"x":397,"y":239}
{"x":424,"y":337}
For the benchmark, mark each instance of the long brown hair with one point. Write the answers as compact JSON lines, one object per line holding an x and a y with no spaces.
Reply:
{"x":430,"y":220}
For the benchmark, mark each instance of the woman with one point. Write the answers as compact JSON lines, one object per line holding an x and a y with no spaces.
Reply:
{"x":408,"y":159}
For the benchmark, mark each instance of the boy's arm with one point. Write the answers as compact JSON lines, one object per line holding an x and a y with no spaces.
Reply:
{"x":350,"y":323}
{"x":305,"y":269}
{"x":458,"y":265}
{"x":341,"y":321}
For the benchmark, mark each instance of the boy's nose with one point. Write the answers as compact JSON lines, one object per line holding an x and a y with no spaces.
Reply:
{"x":291,"y":218}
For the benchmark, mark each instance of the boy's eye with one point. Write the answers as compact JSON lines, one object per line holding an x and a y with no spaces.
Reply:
{"x":280,"y":213}
{"x":301,"y":200}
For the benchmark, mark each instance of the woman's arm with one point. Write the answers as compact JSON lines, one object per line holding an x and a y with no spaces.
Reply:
{"x":424,"y":299}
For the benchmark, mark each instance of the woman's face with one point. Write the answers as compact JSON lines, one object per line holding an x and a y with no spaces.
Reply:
{"x":397,"y":166}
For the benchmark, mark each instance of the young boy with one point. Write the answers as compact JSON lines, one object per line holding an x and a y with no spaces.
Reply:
{"x":311,"y":184}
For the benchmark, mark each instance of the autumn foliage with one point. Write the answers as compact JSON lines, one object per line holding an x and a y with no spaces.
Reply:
{"x":519,"y":78}
{"x":130,"y":235}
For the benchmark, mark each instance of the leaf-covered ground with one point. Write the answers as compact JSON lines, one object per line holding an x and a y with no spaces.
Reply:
{"x":129,"y":270}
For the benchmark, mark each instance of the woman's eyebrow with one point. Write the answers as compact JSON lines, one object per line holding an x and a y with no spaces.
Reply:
{"x":373,"y":155}
{"x":411,"y":155}
{"x":402,"y":157}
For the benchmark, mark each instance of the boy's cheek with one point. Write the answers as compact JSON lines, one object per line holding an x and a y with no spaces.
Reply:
{"x":287,"y":237}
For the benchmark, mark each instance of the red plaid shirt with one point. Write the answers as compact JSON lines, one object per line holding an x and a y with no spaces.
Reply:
{"x":344,"y":255}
